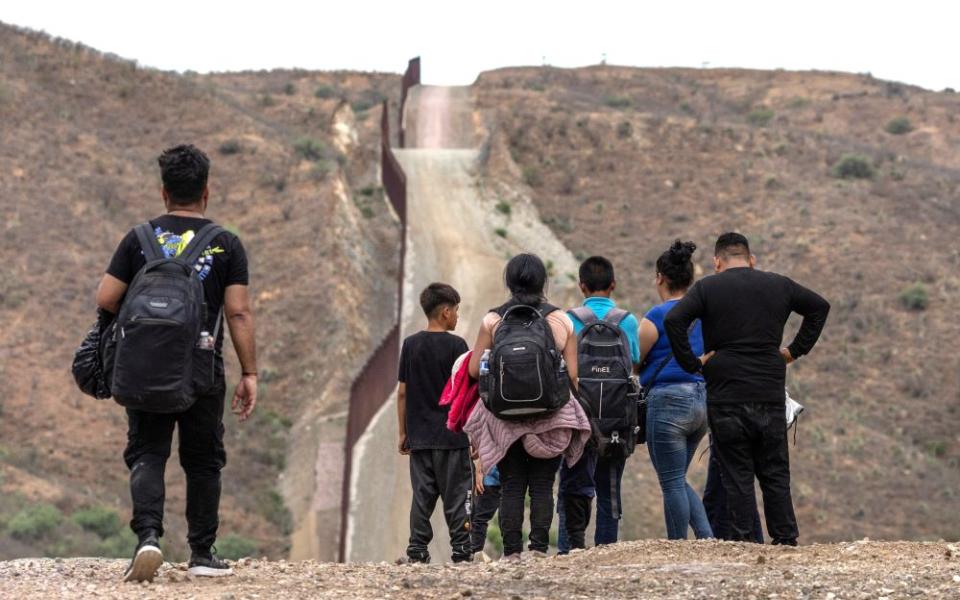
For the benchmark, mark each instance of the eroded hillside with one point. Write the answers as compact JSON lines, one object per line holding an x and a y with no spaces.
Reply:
{"x":295,"y":174}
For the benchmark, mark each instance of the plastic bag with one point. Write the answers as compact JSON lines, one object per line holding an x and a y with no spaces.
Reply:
{"x":794,"y":409}
{"x":87,"y":367}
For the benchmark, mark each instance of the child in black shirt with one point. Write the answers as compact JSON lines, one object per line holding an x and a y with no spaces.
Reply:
{"x":439,"y":459}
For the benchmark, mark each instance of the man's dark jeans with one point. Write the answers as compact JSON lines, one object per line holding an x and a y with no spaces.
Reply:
{"x":202,"y":456}
{"x":485,"y":505}
{"x":445,"y":474}
{"x":750,"y":440}
{"x":715,"y":503}
{"x":520,"y":472}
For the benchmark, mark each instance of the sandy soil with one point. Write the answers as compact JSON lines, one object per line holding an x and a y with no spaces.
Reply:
{"x":647,"y":569}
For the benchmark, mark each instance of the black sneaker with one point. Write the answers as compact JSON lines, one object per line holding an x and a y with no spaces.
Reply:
{"x":147,"y":559}
{"x":208,"y":564}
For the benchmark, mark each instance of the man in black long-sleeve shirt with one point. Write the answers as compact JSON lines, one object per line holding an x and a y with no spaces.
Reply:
{"x":743,"y":312}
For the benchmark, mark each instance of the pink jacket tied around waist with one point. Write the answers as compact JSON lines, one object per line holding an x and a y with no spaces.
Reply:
{"x":461,"y":393}
{"x":563,"y":432}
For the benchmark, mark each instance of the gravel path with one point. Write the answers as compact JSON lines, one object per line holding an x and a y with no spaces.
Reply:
{"x":652,"y":568}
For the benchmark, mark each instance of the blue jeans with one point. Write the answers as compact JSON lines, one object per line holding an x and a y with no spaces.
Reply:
{"x":676,"y":422}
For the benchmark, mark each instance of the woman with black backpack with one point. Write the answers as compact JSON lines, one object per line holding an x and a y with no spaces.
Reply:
{"x":676,"y":400}
{"x":525,"y":357}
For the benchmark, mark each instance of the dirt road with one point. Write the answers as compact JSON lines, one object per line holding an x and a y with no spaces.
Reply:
{"x":450,"y":239}
{"x":647,"y":569}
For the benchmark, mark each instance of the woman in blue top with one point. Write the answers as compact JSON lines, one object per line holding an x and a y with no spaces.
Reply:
{"x":677,"y":406}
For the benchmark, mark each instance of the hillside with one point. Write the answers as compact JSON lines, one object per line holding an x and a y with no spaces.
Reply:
{"x":295,"y":174}
{"x":620,"y":161}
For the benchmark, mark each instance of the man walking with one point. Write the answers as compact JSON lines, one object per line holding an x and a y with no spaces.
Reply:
{"x":743,"y":312}
{"x":221,"y":267}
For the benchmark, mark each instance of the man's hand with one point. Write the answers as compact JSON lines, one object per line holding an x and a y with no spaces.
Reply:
{"x":402,"y":446}
{"x":477,"y":479}
{"x":787,"y":357}
{"x":245,"y":398}
{"x":706,"y":357}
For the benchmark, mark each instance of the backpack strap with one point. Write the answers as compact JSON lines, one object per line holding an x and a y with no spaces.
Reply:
{"x":584,"y":314}
{"x":615,"y":316}
{"x":194,"y":250}
{"x":148,"y":242}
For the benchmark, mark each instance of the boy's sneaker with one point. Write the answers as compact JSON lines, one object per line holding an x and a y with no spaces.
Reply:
{"x":147,"y":559}
{"x":208,"y":564}
{"x":511,"y":558}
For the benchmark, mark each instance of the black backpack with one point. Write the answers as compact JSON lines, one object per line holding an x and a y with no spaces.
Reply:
{"x":526,"y":376}
{"x":153,"y":343}
{"x":607,"y":391}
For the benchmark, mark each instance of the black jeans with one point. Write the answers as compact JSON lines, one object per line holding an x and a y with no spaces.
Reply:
{"x":520,"y":473}
{"x":576,"y":516}
{"x":445,"y":474}
{"x":750,"y":440}
{"x":202,"y":456}
{"x":715,"y":504}
{"x":485,"y":505}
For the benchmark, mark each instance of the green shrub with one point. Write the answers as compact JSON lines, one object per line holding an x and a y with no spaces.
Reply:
{"x":325,"y":91}
{"x":501,"y":232}
{"x":118,"y":545}
{"x":234,"y":547}
{"x":290,"y":89}
{"x":367,"y":100}
{"x":854,"y":166}
{"x":34,"y":522}
{"x":624,"y":130}
{"x":494,"y":535}
{"x":619,"y":102}
{"x":760,"y":116}
{"x":230,"y":147}
{"x":504,"y":208}
{"x":799,"y":102}
{"x":271,"y":506}
{"x":101,"y":520}
{"x":915,"y":297}
{"x":266,"y":100}
{"x":311,"y":149}
{"x":899,"y":126}
{"x":532,"y":176}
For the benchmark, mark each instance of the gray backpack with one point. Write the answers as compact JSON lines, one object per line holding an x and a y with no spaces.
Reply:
{"x":153,"y":343}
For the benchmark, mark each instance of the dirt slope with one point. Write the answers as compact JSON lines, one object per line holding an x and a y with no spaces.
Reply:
{"x":648,"y":569}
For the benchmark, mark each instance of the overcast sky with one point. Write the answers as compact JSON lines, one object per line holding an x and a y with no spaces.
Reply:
{"x":914,"y":42}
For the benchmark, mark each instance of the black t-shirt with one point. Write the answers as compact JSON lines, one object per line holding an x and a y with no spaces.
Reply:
{"x":743,"y":312}
{"x":425,"y":363}
{"x":224,"y":262}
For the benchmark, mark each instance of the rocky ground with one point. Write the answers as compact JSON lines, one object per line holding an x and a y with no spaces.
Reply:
{"x":652,"y":568}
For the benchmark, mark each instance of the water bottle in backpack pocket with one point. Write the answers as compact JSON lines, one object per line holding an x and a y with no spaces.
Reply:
{"x":526,"y":377}
{"x":154,"y":360}
{"x":607,"y":389}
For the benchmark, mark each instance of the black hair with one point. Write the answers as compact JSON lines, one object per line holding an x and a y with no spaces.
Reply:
{"x":437,"y":295}
{"x":731,"y":244}
{"x":596,"y":274}
{"x":526,"y":278}
{"x":676,"y":265}
{"x":184,"y":170}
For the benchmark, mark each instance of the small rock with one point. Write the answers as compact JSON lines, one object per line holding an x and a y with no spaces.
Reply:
{"x":466,"y":593}
{"x":517,"y":575}
{"x":956,"y":578}
{"x":761,"y":559}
